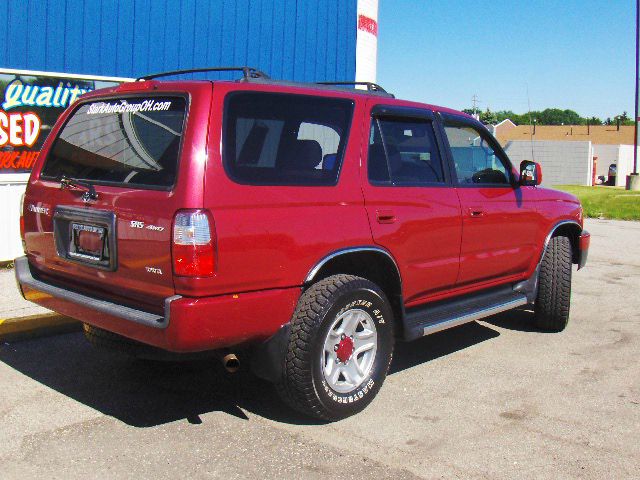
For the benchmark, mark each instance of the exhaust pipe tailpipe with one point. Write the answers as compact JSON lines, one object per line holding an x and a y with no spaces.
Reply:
{"x":231,"y":363}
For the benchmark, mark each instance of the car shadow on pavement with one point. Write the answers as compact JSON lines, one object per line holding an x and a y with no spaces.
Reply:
{"x":143,"y":393}
{"x":520,"y":320}
{"x":146,"y":394}
{"x":426,"y":349}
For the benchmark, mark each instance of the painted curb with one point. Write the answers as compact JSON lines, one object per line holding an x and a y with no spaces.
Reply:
{"x":36,"y":326}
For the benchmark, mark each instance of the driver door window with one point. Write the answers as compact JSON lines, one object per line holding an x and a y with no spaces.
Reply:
{"x":476,"y":163}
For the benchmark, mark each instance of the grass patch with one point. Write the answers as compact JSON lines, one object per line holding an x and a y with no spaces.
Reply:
{"x":614,"y":203}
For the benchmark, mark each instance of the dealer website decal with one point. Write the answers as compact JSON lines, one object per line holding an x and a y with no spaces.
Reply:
{"x":30,"y":104}
{"x":124,"y":107}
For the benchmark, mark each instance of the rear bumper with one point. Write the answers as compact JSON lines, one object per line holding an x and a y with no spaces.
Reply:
{"x":27,"y":281}
{"x":187,"y":324}
{"x":583,"y":248}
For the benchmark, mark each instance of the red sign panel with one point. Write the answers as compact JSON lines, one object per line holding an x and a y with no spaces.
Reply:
{"x":368,"y":25}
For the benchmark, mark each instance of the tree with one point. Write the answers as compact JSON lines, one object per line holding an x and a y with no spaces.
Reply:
{"x":488,"y":117}
{"x":548,"y":116}
{"x":623,"y":119}
{"x":555,"y":116}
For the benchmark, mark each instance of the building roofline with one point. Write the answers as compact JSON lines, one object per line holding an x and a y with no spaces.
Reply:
{"x":505,"y":120}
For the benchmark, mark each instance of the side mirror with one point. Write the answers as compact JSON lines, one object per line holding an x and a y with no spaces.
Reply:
{"x":530,"y":173}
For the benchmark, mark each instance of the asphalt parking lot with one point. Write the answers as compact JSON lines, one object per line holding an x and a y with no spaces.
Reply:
{"x":492,"y":399}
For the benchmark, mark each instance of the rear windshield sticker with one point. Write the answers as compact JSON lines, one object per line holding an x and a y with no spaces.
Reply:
{"x":125,"y":107}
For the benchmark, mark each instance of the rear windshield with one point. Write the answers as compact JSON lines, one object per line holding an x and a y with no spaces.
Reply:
{"x":132,"y":141}
{"x":282,"y":139}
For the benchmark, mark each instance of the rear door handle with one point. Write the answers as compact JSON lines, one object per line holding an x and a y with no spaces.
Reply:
{"x":476,"y":212}
{"x":385,"y":216}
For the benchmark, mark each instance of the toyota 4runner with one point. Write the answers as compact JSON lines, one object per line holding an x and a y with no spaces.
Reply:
{"x":310,"y":224}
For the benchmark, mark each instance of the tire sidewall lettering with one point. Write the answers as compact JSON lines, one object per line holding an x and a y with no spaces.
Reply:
{"x":375,"y":306}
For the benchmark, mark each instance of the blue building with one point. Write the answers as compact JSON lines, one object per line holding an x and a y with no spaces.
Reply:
{"x":302,"y":40}
{"x":53,"y":51}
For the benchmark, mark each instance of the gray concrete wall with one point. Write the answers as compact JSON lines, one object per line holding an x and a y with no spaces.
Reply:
{"x":607,"y":154}
{"x":621,"y":155}
{"x":563,"y":163}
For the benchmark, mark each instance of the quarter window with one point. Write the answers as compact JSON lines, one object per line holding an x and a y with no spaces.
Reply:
{"x":404,"y":152}
{"x":476,"y":162}
{"x":280,"y":139}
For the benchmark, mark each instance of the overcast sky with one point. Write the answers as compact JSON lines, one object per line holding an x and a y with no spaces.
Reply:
{"x":577,"y":54}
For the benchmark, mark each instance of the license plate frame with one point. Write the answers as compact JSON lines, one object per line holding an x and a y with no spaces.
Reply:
{"x":102,"y":255}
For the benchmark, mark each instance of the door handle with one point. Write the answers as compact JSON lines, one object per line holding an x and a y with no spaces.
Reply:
{"x":476,"y":212}
{"x":385,"y":216}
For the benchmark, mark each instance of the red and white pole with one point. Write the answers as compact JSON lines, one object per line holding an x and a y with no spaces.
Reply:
{"x":367,"y":41}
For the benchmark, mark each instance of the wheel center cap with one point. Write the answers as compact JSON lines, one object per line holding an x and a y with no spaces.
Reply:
{"x":345,"y":349}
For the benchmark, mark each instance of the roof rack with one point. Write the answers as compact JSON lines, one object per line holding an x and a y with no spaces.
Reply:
{"x":250,"y":74}
{"x":247,"y":72}
{"x":371,"y":87}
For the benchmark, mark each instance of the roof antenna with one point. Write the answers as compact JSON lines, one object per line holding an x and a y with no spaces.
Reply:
{"x":533,"y":158}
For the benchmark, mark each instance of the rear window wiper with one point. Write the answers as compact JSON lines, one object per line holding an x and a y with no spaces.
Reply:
{"x":89,"y":189}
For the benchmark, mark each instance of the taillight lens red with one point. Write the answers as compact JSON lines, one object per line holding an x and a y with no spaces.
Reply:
{"x":194,"y":248}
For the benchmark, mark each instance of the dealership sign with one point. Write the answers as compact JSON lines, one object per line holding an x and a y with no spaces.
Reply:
{"x":30,"y":104}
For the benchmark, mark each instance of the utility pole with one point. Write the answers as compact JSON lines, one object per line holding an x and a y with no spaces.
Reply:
{"x":475,"y":101}
{"x":633,"y":180}
{"x":635,"y":153}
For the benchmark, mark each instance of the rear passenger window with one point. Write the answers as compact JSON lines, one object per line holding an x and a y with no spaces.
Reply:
{"x":280,"y":139}
{"x":404,"y":152}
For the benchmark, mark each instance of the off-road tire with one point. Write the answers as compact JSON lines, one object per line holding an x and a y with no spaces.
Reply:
{"x":112,"y":341}
{"x":554,"y":286}
{"x":302,"y":385}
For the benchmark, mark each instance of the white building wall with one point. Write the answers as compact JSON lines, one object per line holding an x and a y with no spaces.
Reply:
{"x":625,"y":164}
{"x":12,"y":186}
{"x":563,"y":163}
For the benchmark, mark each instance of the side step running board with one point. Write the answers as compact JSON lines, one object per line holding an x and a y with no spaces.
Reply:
{"x":443,"y":315}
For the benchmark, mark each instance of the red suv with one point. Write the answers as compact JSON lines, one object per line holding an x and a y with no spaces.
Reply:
{"x":309,"y":224}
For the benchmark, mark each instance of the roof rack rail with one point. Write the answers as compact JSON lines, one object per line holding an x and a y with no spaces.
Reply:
{"x":371,"y":87}
{"x":248,"y":73}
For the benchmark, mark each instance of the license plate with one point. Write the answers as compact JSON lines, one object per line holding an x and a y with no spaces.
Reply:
{"x":87,"y":242}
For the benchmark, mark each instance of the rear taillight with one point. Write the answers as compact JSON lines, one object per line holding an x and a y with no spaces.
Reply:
{"x":22,"y":221}
{"x":194,"y":249}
